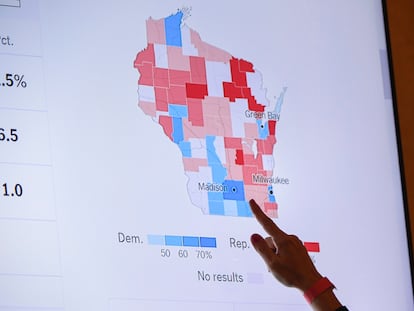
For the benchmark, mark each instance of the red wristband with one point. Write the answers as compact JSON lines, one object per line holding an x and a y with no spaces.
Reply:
{"x":321,"y":286}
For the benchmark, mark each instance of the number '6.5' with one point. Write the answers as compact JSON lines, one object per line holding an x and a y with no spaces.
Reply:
{"x":8,"y":135}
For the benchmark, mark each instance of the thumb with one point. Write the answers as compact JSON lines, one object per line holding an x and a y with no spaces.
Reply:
{"x":263,"y":249}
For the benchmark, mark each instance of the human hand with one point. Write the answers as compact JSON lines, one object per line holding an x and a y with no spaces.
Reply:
{"x":285,"y":255}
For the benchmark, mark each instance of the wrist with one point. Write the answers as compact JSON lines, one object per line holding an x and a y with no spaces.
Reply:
{"x":317,"y":289}
{"x":320,"y":295}
{"x":327,"y":301}
{"x":309,"y":281}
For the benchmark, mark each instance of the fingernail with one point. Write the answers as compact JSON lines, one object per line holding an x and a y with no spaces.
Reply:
{"x":256,"y":238}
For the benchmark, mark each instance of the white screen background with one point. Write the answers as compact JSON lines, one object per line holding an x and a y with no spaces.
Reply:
{"x":101,"y":166}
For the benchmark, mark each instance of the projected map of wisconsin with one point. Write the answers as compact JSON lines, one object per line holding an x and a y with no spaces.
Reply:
{"x":213,"y":107}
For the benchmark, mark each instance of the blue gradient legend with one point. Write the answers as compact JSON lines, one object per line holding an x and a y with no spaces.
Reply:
{"x":180,"y":240}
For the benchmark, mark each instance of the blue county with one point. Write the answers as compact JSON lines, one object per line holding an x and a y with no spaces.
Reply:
{"x":178,"y":133}
{"x":263,"y":129}
{"x":173,"y":29}
{"x":271,"y":196}
{"x":235,"y":190}
{"x":230,"y":208}
{"x":216,"y":207}
{"x":243,"y":209}
{"x":279,"y":102}
{"x":218,"y":171}
{"x":178,"y":111}
{"x":212,"y":157}
{"x":185,"y":147}
{"x":215,"y":196}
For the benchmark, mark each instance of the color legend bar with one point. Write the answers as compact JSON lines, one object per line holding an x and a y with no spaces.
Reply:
{"x":179,"y":240}
{"x":312,"y":247}
{"x":14,"y":3}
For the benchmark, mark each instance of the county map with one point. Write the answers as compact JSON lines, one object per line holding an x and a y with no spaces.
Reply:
{"x":213,"y":106}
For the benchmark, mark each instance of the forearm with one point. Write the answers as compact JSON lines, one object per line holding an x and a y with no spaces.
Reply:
{"x":289,"y":262}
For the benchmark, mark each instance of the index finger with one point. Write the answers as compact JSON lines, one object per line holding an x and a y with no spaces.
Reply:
{"x":268,"y":225}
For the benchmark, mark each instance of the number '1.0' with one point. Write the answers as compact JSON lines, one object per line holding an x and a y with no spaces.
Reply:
{"x":17,"y":190}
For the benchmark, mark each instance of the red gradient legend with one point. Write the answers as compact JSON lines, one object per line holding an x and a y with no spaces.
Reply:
{"x":312,"y":247}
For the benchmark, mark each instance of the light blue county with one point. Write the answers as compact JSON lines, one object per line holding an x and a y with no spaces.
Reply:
{"x":178,"y":111}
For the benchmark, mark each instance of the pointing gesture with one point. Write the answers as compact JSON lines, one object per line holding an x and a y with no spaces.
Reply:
{"x":284,"y":254}
{"x":288,"y":260}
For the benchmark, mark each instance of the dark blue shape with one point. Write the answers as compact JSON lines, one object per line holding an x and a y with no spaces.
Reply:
{"x":173,"y":29}
{"x":208,"y":242}
{"x":235,"y":190}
